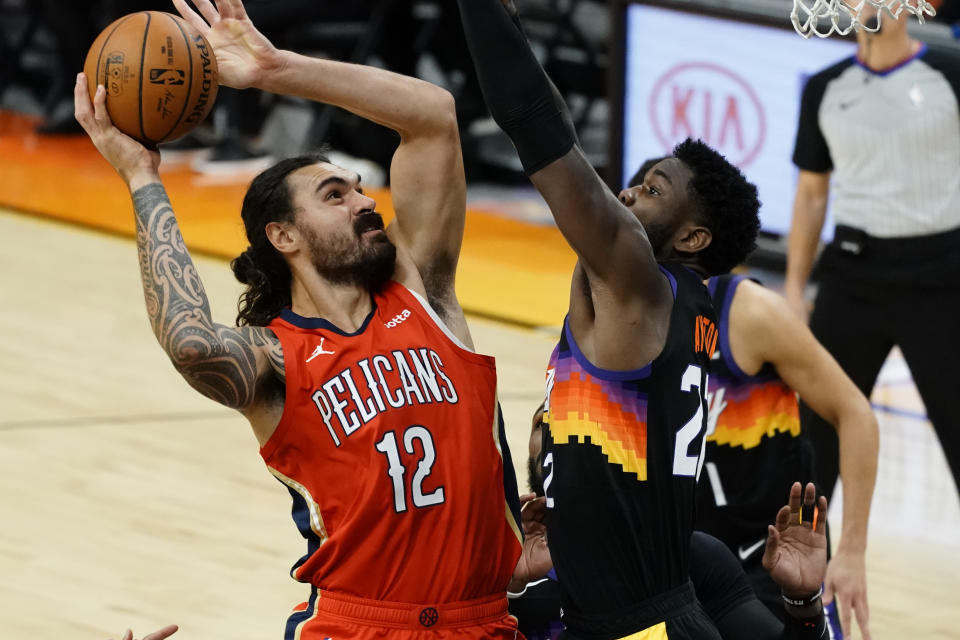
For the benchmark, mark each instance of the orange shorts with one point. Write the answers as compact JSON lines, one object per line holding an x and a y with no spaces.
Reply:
{"x":329,"y":616}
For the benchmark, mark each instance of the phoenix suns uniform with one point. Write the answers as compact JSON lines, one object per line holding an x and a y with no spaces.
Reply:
{"x":392,"y":448}
{"x":621,"y":454}
{"x":754,"y":453}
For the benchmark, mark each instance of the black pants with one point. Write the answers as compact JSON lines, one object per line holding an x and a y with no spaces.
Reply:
{"x":904,"y":292}
{"x":678,"y":610}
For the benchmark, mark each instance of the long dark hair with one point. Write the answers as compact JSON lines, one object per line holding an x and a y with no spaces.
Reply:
{"x":261,"y":267}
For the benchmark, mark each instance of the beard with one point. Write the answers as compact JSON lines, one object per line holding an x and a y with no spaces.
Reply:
{"x":352,"y":259}
{"x":534,"y":476}
{"x":658,"y":235}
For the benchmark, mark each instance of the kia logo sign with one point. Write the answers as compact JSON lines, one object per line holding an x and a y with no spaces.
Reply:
{"x":704,"y":100}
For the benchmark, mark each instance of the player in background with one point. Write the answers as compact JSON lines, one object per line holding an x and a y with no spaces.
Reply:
{"x":626,"y":409}
{"x":352,"y":360}
{"x":755,"y":448}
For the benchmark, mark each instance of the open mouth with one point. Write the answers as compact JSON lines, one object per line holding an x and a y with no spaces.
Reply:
{"x":368,"y":222}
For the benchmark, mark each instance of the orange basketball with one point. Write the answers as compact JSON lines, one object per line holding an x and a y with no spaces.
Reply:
{"x":159,"y":72}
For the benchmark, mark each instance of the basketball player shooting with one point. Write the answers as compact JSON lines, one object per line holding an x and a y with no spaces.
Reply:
{"x":625,"y":387}
{"x":352,"y":359}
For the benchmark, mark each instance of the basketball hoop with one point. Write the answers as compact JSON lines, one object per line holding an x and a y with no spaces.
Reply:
{"x":845,"y":16}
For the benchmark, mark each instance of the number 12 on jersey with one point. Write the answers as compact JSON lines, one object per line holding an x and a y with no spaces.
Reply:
{"x":388,"y":446}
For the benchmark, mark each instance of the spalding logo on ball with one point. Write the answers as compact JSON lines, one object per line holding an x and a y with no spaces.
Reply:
{"x":159,"y":72}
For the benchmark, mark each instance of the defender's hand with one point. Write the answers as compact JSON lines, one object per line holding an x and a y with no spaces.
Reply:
{"x":133,"y":161}
{"x":535,"y":561}
{"x":160,"y":634}
{"x":847,"y":581}
{"x":244,"y":55}
{"x":796,"y":552}
{"x":533,"y":513}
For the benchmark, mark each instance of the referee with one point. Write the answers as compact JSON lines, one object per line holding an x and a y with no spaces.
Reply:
{"x":885,"y":127}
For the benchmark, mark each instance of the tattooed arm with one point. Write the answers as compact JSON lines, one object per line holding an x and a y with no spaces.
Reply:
{"x":223,"y":363}
{"x":228,"y":364}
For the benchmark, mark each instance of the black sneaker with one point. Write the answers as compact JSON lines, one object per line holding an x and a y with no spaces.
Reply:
{"x":232,"y":155}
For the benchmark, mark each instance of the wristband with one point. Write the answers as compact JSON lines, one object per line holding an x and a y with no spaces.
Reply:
{"x":802,"y":602}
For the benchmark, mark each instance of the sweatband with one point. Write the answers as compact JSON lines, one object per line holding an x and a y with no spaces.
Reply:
{"x":515,"y":87}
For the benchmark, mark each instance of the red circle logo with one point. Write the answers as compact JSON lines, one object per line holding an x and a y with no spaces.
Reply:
{"x":704,"y":100}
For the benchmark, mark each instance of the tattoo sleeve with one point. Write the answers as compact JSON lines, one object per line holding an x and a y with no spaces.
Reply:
{"x":219,"y":361}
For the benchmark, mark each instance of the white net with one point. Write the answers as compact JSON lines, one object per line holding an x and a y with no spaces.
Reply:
{"x":844,"y":16}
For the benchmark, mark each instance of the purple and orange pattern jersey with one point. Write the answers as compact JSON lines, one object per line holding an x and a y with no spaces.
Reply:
{"x":621,"y":454}
{"x":609,"y":414}
{"x":744,"y":412}
{"x":754,"y":449}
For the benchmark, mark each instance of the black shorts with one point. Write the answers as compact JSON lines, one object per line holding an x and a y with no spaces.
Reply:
{"x":766,"y":590}
{"x":674,"y":615}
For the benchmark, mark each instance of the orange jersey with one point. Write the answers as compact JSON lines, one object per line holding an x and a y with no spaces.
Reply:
{"x":391,"y":445}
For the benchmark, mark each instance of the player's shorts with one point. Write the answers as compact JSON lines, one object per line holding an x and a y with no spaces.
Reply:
{"x":673,"y":615}
{"x":337,"y":616}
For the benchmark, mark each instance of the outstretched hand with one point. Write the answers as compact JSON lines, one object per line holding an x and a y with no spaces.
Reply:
{"x":796,"y":552}
{"x":535,"y":561}
{"x":847,"y":581}
{"x":160,"y":634}
{"x":131,"y":159}
{"x":244,"y":55}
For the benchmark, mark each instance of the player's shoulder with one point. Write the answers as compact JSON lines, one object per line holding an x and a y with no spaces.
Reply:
{"x":763,"y":323}
{"x":261,"y":336}
{"x":757,"y":302}
{"x":757,"y":311}
{"x":758,"y":325}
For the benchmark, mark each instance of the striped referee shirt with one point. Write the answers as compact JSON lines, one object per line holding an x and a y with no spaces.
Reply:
{"x":891,"y":139}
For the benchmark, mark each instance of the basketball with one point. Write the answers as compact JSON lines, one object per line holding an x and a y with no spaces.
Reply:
{"x":159,"y":72}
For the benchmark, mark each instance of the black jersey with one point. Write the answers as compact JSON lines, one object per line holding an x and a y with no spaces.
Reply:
{"x":621,"y":455}
{"x":754,"y":450}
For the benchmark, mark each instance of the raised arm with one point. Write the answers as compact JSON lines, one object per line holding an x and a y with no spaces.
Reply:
{"x":609,"y":240}
{"x":764,"y":330}
{"x":426,"y":175}
{"x":226,"y":364}
{"x":809,"y":211}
